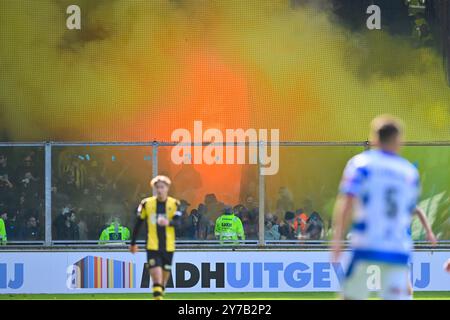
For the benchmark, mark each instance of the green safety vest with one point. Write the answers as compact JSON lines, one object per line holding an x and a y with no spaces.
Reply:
{"x":415,"y":7}
{"x":3,"y":236}
{"x":229,"y":227}
{"x":115,"y":232}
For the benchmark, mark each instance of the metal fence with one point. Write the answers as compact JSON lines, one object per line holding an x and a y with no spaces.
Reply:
{"x":306,"y":167}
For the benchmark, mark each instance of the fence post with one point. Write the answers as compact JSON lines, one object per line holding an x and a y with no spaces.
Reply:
{"x":48,"y":193}
{"x":261,"y":196}
{"x":155,"y":158}
{"x":155,"y":145}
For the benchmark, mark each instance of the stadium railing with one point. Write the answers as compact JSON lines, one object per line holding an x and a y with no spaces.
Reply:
{"x":153,"y":153}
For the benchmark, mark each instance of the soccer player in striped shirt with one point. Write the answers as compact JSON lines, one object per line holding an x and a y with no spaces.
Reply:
{"x":381,"y":189}
{"x":161,"y":214}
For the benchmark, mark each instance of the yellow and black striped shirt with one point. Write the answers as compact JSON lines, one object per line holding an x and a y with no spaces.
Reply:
{"x":159,"y":238}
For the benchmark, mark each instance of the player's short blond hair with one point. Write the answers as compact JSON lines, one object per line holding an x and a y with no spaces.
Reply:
{"x":160,"y":178}
{"x":383,"y":123}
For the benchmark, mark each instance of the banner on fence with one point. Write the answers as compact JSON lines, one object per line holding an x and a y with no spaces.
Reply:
{"x":203,"y":271}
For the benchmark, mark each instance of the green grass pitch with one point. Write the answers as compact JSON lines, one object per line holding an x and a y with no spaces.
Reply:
{"x":430,"y":295}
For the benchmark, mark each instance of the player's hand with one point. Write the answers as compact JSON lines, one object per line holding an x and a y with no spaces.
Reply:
{"x":134,"y":248}
{"x":447,"y":266}
{"x":432,"y":238}
{"x":162,"y":221}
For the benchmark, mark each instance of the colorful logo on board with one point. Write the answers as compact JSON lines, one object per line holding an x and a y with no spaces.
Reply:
{"x":97,"y":272}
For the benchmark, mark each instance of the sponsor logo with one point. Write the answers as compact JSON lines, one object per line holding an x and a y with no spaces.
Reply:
{"x":296,"y":275}
{"x":97,"y":272}
{"x":11,"y":277}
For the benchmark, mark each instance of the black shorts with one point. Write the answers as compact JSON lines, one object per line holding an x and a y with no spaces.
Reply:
{"x":161,"y":259}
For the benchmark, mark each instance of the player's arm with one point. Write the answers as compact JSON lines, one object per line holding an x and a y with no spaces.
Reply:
{"x":176,"y":219}
{"x":426,"y":225}
{"x":342,"y":217}
{"x":350,"y":187}
{"x":141,"y":215}
{"x":136,"y":229}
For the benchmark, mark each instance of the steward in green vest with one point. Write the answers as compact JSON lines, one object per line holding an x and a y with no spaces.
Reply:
{"x":229,"y":228}
{"x":3,"y":237}
{"x":415,"y":7}
{"x":421,"y":31}
{"x":114,"y":232}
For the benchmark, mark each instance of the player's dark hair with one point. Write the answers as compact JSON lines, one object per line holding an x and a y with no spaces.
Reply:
{"x":385,"y":128}
{"x":388,"y":132}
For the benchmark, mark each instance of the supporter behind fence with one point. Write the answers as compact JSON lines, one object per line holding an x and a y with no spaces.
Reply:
{"x":21,"y":194}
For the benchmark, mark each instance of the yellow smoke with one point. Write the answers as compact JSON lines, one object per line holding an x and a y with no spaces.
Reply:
{"x":306,"y":75}
{"x":126,"y":75}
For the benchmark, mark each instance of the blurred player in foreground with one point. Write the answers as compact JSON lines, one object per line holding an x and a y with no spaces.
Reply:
{"x":161,"y":214}
{"x":381,"y":189}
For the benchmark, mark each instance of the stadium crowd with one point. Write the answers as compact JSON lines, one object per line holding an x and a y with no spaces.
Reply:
{"x":89,"y":198}
{"x":21,"y":195}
